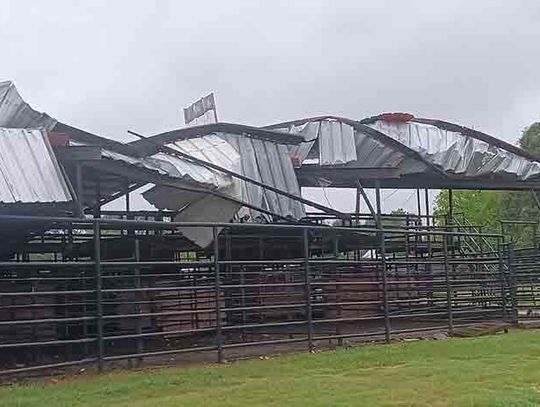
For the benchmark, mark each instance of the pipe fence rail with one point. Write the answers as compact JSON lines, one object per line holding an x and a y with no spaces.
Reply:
{"x":103,"y":291}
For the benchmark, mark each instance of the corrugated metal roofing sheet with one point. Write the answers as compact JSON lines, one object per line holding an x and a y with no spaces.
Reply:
{"x":16,"y":113}
{"x":336,"y":143}
{"x":330,"y":141}
{"x":309,"y":131}
{"x":458,"y":153}
{"x":167,"y":165}
{"x":29,"y":172}
{"x":211,"y":148}
{"x":261,"y":160}
{"x":269,"y":163}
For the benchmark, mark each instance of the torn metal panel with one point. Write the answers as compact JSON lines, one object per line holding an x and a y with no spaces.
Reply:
{"x":267,"y":162}
{"x":29,"y":172}
{"x":290,"y":182}
{"x":169,"y":166}
{"x":310,"y":132}
{"x":211,"y":148}
{"x":193,"y":207}
{"x":204,"y":142}
{"x":16,"y":113}
{"x":250,"y":168}
{"x":373,"y":153}
{"x":337,"y":143}
{"x":458,"y":153}
{"x":261,"y":160}
{"x":208,"y":209}
{"x":173,"y":199}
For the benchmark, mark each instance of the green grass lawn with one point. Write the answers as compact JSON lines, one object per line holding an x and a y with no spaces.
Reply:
{"x":501,"y":370}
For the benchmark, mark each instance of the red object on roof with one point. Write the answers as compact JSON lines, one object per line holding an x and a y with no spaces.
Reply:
{"x":59,"y":139}
{"x":396,"y":117}
{"x":296,"y":161}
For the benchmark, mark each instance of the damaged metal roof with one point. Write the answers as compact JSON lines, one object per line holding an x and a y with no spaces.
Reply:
{"x":401,"y":151}
{"x":16,"y":113}
{"x":29,"y":172}
{"x":458,"y":153}
{"x":425,"y":153}
{"x":259,"y":159}
{"x":332,"y":141}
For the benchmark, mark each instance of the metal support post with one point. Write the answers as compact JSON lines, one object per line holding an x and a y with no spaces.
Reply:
{"x":513,"y":282}
{"x":376,"y":218}
{"x":228,"y":275}
{"x":79,"y":189}
{"x":219,"y":337}
{"x":99,"y":298}
{"x":383,"y":263}
{"x":450,"y":207}
{"x":128,"y":206}
{"x":97,"y":206}
{"x":138,"y":299}
{"x":357,"y":207}
{"x":419,"y":206}
{"x":338,"y":290}
{"x":426,"y":196}
{"x":502,"y":277}
{"x":449,"y":292}
{"x":307,"y":282}
{"x":128,"y":202}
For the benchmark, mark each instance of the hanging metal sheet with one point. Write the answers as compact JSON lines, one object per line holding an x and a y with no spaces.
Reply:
{"x":261,"y":160}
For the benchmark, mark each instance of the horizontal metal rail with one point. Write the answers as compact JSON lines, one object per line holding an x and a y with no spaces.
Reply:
{"x":134,"y":305}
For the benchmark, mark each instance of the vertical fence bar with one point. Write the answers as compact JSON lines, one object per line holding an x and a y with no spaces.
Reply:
{"x":243,"y":301}
{"x":426,"y":197}
{"x":513,"y":282}
{"x":502,"y":277}
{"x":338,"y":288}
{"x":385,"y":289}
{"x":219,"y":337}
{"x":138,"y":296}
{"x":383,"y":263}
{"x":227,"y":272}
{"x":448,"y":287}
{"x":99,"y":298}
{"x":79,"y":189}
{"x":419,"y":206}
{"x":307,"y":283}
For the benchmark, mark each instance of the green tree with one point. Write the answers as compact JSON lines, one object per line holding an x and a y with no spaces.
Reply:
{"x":521,"y":205}
{"x":480,"y":208}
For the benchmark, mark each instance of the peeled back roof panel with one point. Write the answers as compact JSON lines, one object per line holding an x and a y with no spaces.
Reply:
{"x":261,"y":160}
{"x":16,"y":113}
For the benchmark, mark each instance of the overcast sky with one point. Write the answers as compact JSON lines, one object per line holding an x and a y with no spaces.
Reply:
{"x":109,"y":66}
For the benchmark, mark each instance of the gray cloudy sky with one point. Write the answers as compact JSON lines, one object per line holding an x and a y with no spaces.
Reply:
{"x":109,"y":66}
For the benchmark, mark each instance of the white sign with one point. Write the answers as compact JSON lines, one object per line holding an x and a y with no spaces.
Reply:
{"x":201,"y":109}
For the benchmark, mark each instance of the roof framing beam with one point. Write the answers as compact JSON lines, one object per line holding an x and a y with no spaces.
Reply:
{"x":145,"y":148}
